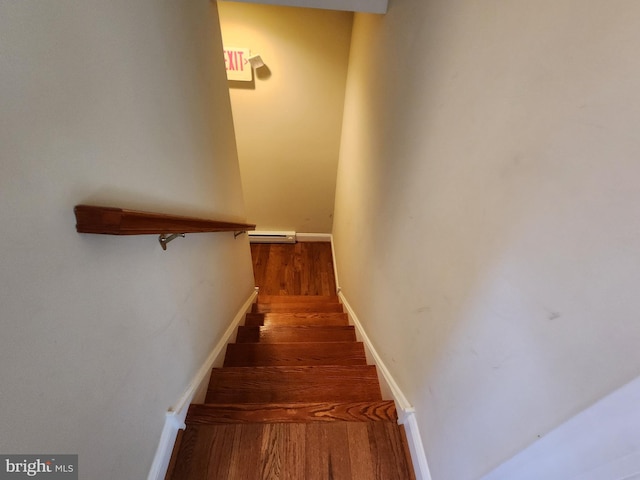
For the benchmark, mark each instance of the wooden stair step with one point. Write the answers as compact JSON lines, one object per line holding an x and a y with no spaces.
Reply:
{"x":310,"y":451}
{"x":298,"y":333}
{"x":286,"y":319}
{"x":322,"y":299}
{"x":207,"y":414}
{"x":294,"y":354}
{"x":335,"y":383}
{"x":296,"y":307}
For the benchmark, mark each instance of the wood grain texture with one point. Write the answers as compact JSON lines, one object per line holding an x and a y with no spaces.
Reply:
{"x":362,"y":461}
{"x":283,"y":451}
{"x":329,"y":459}
{"x":304,"y":268}
{"x":207,"y":414}
{"x":294,"y":354}
{"x":246,"y":457}
{"x":297,"y":333}
{"x":291,"y":451}
{"x":388,"y":452}
{"x":120,"y":221}
{"x":293,"y":384}
{"x":300,"y":319}
{"x":196,"y":447}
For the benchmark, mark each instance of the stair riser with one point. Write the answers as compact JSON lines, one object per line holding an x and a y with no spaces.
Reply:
{"x":295,"y":307}
{"x":279,"y":334}
{"x":293,"y":384}
{"x":293,"y":319}
{"x":309,"y":299}
{"x":294,"y":354}
{"x":292,"y":412}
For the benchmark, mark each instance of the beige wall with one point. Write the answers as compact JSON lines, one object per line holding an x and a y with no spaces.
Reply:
{"x":120,"y":103}
{"x":487,"y":213}
{"x":288,"y":126}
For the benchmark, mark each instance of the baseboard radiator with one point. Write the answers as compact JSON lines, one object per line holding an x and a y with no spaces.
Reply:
{"x":272,"y":237}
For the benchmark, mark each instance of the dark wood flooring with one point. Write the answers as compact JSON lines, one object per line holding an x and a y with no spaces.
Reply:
{"x":304,"y":268}
{"x":295,"y":398}
{"x":295,"y":451}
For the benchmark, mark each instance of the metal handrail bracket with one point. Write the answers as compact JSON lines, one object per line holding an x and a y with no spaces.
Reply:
{"x":164,"y":239}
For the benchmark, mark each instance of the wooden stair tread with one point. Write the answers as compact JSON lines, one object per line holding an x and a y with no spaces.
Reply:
{"x":315,"y":450}
{"x":296,"y":307}
{"x":383,"y":410}
{"x":292,"y":354}
{"x":297,"y":333}
{"x":312,"y":318}
{"x":334,"y":383}
{"x":323,"y":299}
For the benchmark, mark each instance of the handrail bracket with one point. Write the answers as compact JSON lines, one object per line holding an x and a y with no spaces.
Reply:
{"x":164,"y":239}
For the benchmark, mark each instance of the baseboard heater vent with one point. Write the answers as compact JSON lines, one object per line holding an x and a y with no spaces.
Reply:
{"x":272,"y":237}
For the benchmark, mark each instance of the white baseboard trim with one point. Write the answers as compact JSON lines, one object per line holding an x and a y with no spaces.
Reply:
{"x":418,"y":457}
{"x":406,"y":412}
{"x":168,"y":436}
{"x":176,"y":415}
{"x":403,"y":405}
{"x":335,"y":265}
{"x":313,"y":237}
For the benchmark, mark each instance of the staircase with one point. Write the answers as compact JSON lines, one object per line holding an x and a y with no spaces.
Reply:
{"x":295,"y":399}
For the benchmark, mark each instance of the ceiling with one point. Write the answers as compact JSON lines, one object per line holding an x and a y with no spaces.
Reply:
{"x":369,"y":6}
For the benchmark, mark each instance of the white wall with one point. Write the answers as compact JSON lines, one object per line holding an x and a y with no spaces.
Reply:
{"x":487,"y":214}
{"x":118,"y":103}
{"x":288,"y":125}
{"x":600,"y":443}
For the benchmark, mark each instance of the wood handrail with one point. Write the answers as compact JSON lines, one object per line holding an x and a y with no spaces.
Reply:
{"x":120,"y":221}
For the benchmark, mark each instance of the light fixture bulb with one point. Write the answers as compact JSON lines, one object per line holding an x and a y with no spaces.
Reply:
{"x":256,"y":61}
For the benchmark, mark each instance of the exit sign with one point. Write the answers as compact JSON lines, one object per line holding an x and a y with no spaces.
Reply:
{"x":237,"y":63}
